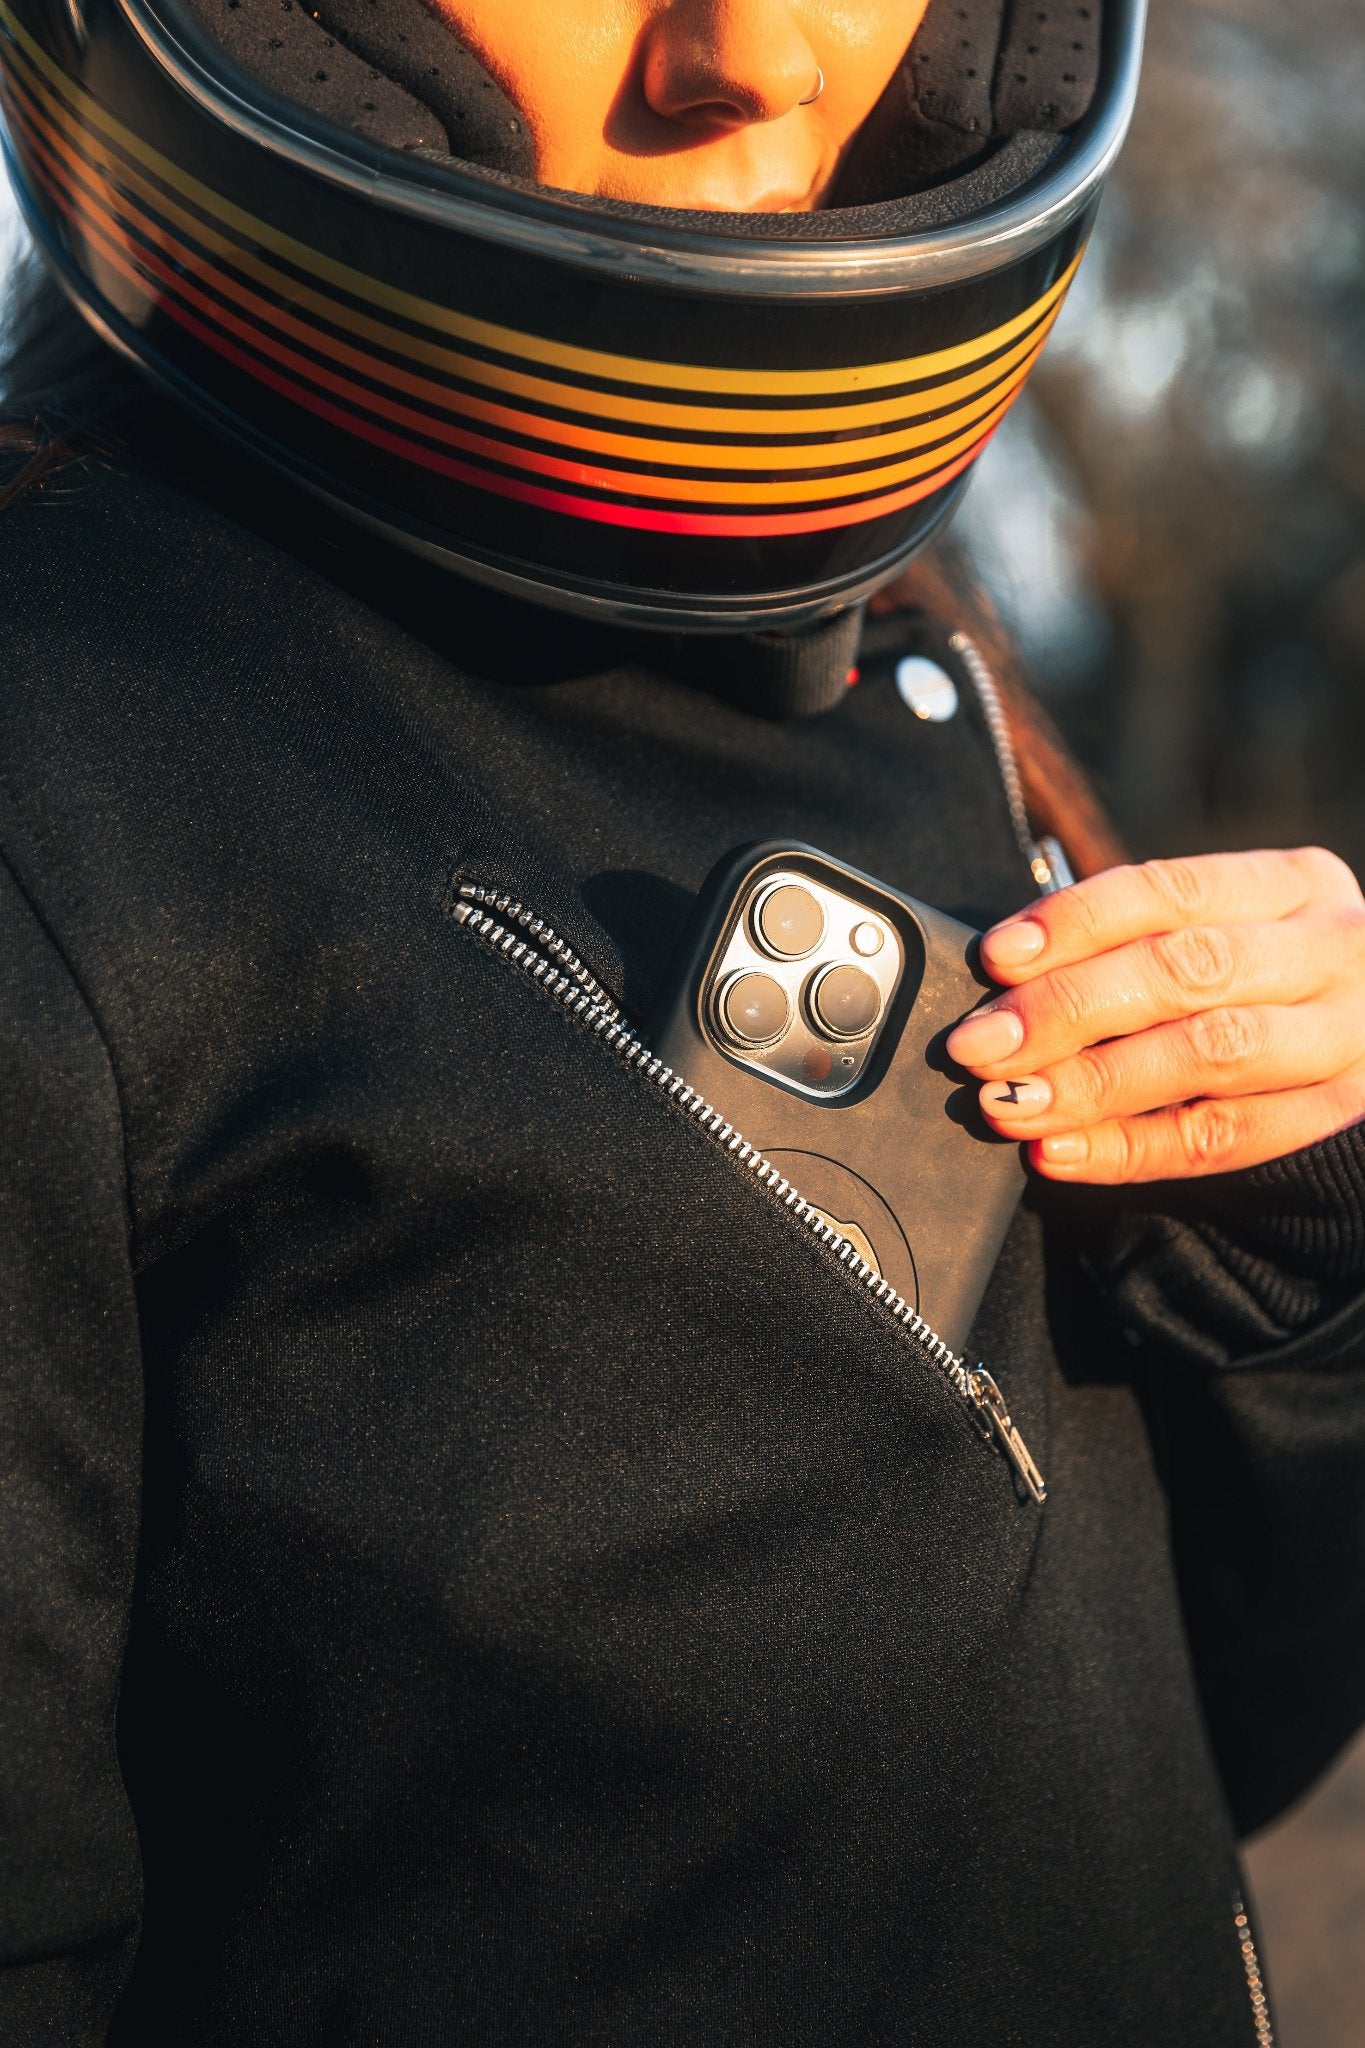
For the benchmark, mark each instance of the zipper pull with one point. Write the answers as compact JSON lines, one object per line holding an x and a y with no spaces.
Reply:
{"x":990,"y":1406}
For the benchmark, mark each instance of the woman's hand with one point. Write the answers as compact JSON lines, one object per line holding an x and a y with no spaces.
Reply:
{"x":1179,"y":1018}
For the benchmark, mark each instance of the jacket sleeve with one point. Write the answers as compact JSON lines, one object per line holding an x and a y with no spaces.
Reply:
{"x":70,"y":1446}
{"x":1246,"y":1294}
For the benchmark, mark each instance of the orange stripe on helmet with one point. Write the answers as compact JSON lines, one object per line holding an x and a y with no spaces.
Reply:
{"x":112,"y":238}
{"x":101,"y":206}
{"x":706,"y":524}
{"x":539,"y":392}
{"x":574,"y":361}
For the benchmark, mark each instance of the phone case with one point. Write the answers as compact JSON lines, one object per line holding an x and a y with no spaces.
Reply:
{"x":902,"y":1164}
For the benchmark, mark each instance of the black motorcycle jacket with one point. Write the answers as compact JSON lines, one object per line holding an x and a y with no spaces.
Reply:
{"x":475,"y":1566}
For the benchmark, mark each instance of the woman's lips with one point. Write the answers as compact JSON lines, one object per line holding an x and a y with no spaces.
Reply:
{"x":701,"y":187}
{"x":710,"y":202}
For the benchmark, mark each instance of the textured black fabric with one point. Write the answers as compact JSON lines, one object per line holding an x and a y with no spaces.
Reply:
{"x":1047,"y":65}
{"x":420,"y":53}
{"x":70,"y":1445}
{"x":1228,"y":1268}
{"x":565,"y":1606}
{"x":1268,"y":1528}
{"x":1307,"y":1213}
{"x":1282,"y":1247}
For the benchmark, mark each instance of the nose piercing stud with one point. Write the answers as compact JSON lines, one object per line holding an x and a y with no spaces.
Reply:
{"x":819,"y":88}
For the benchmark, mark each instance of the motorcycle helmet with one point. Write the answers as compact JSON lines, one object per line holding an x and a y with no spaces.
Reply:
{"x":319,"y":227}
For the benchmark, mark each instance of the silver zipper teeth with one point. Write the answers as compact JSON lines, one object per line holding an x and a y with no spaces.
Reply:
{"x":558,"y":969}
{"x":545,"y":936}
{"x":1251,"y":1963}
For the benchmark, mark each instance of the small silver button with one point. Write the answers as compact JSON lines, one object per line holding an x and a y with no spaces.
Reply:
{"x":928,"y":690}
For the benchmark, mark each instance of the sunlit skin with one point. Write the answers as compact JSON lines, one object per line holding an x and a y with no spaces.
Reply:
{"x":690,"y":103}
{"x":1157,"y":1022}
{"x":1176,"y":1019}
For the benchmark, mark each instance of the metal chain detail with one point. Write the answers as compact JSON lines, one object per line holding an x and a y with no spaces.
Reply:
{"x":1251,"y":1963}
{"x":1046,"y":858}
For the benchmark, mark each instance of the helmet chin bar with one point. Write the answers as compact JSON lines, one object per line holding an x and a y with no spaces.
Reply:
{"x":713,"y":423}
{"x":655,"y":611}
{"x":660,"y":611}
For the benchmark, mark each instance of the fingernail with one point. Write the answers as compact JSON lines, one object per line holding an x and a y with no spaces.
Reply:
{"x":1069,"y":1151}
{"x":1014,"y":944}
{"x":1018,"y":1098}
{"x":989,"y":1036}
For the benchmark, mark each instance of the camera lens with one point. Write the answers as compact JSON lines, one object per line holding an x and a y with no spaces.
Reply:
{"x":790,"y":921}
{"x":754,"y":1009}
{"x":846,"y":1002}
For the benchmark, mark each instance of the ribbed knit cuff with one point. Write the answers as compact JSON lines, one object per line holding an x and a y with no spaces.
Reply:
{"x":1305,"y":1213}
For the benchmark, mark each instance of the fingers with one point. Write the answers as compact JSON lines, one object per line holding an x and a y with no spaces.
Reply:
{"x":1128,"y":903}
{"x":1215,"y":1053}
{"x":1178,"y":1018}
{"x":1198,"y":1138}
{"x":1149,"y":982}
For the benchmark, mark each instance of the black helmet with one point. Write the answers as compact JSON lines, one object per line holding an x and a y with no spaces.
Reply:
{"x":320,"y":230}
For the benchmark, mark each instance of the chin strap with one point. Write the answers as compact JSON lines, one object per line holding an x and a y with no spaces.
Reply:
{"x":778,"y":675}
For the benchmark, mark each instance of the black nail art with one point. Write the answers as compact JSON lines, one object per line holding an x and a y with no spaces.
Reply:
{"x":1011,"y":1092}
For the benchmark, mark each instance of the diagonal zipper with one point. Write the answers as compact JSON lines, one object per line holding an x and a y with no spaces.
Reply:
{"x":505,"y":925}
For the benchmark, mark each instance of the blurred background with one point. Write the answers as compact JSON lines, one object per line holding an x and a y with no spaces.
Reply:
{"x":1173,"y":523}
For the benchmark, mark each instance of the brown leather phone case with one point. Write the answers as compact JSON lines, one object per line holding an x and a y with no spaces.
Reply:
{"x":900,"y":1162}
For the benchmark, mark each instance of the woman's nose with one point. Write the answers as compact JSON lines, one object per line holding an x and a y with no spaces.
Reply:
{"x":727,"y":63}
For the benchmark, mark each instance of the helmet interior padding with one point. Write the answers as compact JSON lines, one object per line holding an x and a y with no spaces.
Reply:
{"x":385,"y":69}
{"x":977,"y":73}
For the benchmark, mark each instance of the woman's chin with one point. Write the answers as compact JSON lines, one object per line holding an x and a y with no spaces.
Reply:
{"x":694,"y":189}
{"x":711,"y":201}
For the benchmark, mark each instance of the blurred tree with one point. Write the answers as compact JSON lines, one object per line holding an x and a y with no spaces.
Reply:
{"x":1187,"y":480}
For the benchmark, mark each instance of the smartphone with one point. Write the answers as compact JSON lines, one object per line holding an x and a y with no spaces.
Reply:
{"x":809,"y":1004}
